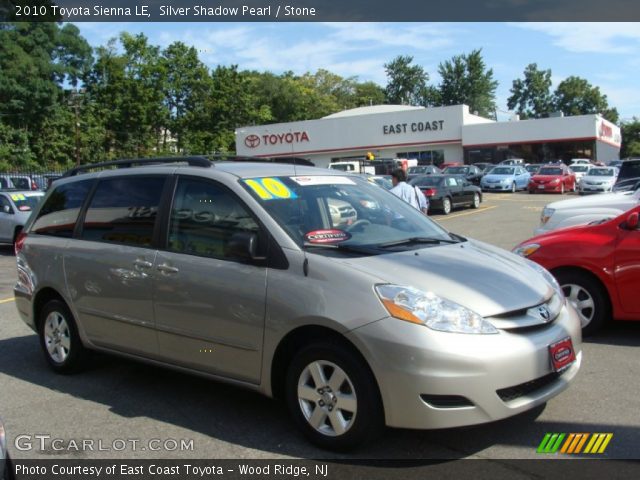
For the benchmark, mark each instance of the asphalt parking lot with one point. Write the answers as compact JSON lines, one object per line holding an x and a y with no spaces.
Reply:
{"x":121,"y":399}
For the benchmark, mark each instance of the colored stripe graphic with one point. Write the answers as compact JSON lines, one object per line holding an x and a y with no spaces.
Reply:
{"x":574,"y":443}
{"x":550,"y":443}
{"x":598,"y":443}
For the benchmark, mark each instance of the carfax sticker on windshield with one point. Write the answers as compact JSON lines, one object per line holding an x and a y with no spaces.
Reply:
{"x":327,"y":236}
{"x":270,"y":188}
{"x":323,"y":180}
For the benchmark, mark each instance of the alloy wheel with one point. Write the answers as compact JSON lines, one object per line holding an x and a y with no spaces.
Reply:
{"x":582,"y":301}
{"x":57,"y":337}
{"x":327,"y":398}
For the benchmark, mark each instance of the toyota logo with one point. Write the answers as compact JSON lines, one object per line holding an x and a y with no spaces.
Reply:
{"x":543,"y":311}
{"x":252,"y":141}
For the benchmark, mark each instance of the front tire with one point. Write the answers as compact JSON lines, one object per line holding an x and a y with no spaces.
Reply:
{"x":513,"y":187}
{"x":476,"y":201}
{"x":59,"y":338}
{"x":589,"y":299}
{"x":333,"y":397}
{"x":446,"y":205}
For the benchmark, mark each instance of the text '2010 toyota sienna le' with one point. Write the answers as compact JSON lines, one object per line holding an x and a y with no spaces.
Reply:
{"x":383,"y":317}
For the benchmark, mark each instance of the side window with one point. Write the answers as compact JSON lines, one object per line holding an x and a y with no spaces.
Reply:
{"x":124,"y":210}
{"x":451,"y":182}
{"x":204,"y":217}
{"x":58,"y":215}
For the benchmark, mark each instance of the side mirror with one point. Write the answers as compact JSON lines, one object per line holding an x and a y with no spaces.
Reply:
{"x":6,"y":209}
{"x":632,"y":221}
{"x":243,"y":245}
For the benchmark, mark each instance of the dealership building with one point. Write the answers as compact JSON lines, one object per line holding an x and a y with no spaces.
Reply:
{"x":432,"y":135}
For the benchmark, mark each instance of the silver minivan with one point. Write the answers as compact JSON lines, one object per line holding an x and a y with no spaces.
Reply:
{"x":239,"y":271}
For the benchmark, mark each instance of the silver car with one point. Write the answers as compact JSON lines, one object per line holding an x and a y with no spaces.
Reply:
{"x":15,"y":208}
{"x":236,"y":271}
{"x":5,"y":462}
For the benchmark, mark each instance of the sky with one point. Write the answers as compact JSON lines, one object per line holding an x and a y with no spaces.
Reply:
{"x":606,"y":54}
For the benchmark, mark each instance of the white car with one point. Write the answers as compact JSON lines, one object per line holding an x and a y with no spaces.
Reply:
{"x":580,"y":171}
{"x":580,"y":161}
{"x":598,"y":180}
{"x":584,"y":210}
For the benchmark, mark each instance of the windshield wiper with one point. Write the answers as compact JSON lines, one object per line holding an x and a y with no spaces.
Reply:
{"x":365,"y":249}
{"x":416,"y":240}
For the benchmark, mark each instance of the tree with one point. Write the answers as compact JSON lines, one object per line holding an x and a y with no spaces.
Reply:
{"x":531,"y":97}
{"x":630,"y":138}
{"x":368,"y":93}
{"x":466,"y":80}
{"x":576,"y":96}
{"x":407,"y":83}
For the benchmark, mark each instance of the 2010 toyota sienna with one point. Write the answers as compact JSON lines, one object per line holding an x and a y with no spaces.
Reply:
{"x":386,"y":318}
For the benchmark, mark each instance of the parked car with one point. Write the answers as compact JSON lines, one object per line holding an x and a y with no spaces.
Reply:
{"x":446,"y":192}
{"x":580,"y":161}
{"x":584,"y":210}
{"x":513,"y":161}
{"x":22,"y":182}
{"x":15,"y":208}
{"x":43,"y":181}
{"x":553,"y":178}
{"x":533,"y":168}
{"x":470,"y":172}
{"x":597,"y":267}
{"x":413,"y":172}
{"x":484,"y":167}
{"x":615,"y":163}
{"x":506,"y":179}
{"x":598,"y":180}
{"x":450,"y":164}
{"x":629,"y":175}
{"x":580,"y":171}
{"x":339,"y":323}
{"x":342,"y":213}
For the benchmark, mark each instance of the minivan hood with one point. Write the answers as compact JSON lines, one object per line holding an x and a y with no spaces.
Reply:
{"x":479,"y":276}
{"x":619,"y":200}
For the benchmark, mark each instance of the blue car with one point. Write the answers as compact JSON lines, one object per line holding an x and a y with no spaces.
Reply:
{"x":505,"y":179}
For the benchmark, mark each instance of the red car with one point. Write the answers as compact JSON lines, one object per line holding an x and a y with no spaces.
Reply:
{"x":450,"y":164}
{"x":597,"y":266}
{"x":553,"y":178}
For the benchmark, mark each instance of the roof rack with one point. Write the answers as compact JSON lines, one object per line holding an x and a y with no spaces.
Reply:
{"x":131,"y":162}
{"x":193,"y":161}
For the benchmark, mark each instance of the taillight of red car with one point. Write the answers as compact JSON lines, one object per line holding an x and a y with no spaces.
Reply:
{"x":20,"y":239}
{"x":430,"y":192}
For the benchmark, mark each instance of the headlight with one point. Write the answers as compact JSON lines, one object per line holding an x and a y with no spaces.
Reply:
{"x":551,"y":280}
{"x":430,"y":310}
{"x":546,"y":215}
{"x":526,"y":250}
{"x":506,"y":180}
{"x":555,"y":180}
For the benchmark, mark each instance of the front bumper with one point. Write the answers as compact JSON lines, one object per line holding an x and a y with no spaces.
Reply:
{"x":545,"y":187}
{"x":495,"y":374}
{"x":595,"y":188}
{"x":496,"y":187}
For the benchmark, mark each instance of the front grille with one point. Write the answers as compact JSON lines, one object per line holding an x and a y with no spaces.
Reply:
{"x":511,"y":393}
{"x":446,"y":401}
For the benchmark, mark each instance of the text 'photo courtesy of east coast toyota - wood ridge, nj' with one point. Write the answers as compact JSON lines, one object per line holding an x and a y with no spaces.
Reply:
{"x":279,"y":239}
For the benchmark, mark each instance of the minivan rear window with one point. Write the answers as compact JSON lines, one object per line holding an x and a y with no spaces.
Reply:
{"x":123,"y":210}
{"x":58,"y":215}
{"x":629,"y":169}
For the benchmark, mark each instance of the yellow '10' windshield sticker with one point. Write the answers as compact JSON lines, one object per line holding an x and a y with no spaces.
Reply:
{"x":270,"y":188}
{"x":17,"y":197}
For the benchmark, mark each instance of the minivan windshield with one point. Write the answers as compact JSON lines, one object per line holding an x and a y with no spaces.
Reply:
{"x":344,"y":212}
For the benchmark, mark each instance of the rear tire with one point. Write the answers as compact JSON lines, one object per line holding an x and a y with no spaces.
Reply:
{"x":333,"y":397}
{"x":588,"y":297}
{"x":446,"y":205}
{"x":59,"y":338}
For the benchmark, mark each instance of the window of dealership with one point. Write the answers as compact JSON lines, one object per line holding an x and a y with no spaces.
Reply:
{"x":433,"y":136}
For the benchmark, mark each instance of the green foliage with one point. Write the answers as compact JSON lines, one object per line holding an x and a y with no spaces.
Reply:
{"x":576,"y":96}
{"x":466,"y":80}
{"x":407,"y":83}
{"x":531,"y":97}
{"x":630,"y":138}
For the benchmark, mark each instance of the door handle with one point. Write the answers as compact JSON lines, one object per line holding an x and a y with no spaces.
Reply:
{"x":139,"y":262}
{"x":168,"y":269}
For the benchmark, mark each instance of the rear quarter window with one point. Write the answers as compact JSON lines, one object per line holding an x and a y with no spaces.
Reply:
{"x":59,"y":214}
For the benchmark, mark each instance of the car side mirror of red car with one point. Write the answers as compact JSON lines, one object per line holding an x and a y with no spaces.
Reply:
{"x":632,"y":221}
